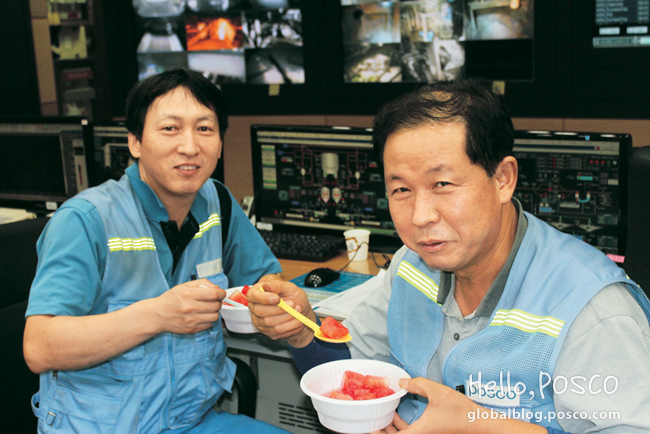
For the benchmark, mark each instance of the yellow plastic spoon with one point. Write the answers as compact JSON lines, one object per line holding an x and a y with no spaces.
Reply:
{"x":311,"y":324}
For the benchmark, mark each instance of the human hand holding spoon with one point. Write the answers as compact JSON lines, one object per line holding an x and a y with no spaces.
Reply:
{"x":309,"y":323}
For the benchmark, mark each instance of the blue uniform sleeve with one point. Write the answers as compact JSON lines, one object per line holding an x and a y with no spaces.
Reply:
{"x":317,"y":353}
{"x":71,"y":256}
{"x":246,"y":257}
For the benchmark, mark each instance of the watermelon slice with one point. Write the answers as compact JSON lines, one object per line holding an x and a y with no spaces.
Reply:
{"x":238,"y":297}
{"x":340,"y":395}
{"x":245,"y":290}
{"x":333,"y":329}
{"x":363,"y":394}
{"x":361,"y":387}
{"x":380,"y":392}
{"x":352,"y":380}
{"x":375,"y":382}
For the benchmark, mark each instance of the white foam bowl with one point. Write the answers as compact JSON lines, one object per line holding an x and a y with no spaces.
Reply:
{"x":237,"y":319}
{"x":352,"y":417}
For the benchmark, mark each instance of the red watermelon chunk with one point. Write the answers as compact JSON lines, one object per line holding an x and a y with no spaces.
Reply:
{"x":352,"y":380}
{"x":380,"y":392}
{"x":361,"y":387}
{"x":238,"y":297}
{"x":374,"y":382}
{"x":341,"y":395}
{"x":245,"y":290}
{"x":333,"y":329}
{"x":362,"y":394}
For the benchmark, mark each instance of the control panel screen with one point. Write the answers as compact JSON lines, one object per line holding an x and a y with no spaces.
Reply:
{"x":319,"y":178}
{"x":621,"y":23}
{"x":576,"y":182}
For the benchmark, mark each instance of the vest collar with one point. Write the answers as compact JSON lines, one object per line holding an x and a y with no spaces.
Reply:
{"x":492,"y":296}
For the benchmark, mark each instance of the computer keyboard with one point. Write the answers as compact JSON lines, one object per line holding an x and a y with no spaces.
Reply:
{"x":303,"y":247}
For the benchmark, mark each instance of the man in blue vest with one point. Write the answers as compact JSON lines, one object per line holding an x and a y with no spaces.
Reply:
{"x":504,"y":323}
{"x":123,"y":320}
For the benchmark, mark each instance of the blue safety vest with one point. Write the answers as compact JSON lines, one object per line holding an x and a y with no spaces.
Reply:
{"x":552,"y":278}
{"x":169,"y":381}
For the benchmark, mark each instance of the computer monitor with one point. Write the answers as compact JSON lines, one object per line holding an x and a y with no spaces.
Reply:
{"x":112,"y":144}
{"x":429,"y":41}
{"x":258,"y":42}
{"x":576,"y":182}
{"x":621,"y":24}
{"x":46,"y":160}
{"x":320,"y":180}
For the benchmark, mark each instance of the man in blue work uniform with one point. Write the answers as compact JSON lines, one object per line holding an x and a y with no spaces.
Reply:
{"x":541,"y":331}
{"x":123,"y":321}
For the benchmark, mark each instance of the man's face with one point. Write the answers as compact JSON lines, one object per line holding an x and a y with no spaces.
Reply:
{"x":180,"y":146}
{"x":444,"y":208}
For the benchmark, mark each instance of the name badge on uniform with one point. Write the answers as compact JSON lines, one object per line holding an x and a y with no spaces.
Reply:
{"x":209,"y":268}
{"x":492,"y":395}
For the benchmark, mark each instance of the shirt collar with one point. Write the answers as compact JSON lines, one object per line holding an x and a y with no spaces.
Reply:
{"x":153,"y":208}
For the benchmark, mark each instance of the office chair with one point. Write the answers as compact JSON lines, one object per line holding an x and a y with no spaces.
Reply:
{"x":637,"y":253}
{"x":246,"y":387}
{"x":17,"y":268}
{"x":18,"y":262}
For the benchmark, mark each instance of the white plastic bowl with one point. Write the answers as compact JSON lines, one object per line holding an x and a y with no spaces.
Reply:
{"x":238,"y":319}
{"x":352,"y":417}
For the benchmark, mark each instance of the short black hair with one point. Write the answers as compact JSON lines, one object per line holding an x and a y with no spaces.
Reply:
{"x":472,"y":102}
{"x":145,"y":92}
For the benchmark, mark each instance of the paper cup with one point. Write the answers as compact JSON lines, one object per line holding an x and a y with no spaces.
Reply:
{"x":357,"y":241}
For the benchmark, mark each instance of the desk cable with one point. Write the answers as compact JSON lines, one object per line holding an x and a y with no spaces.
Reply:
{"x":386,"y":258}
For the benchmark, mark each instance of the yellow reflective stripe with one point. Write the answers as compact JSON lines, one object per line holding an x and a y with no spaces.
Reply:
{"x":126,"y":244}
{"x":212,"y":221}
{"x":418,"y":279}
{"x":527,"y":322}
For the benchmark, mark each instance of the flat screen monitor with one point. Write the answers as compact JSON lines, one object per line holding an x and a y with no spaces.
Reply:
{"x":320,"y":180}
{"x":256,"y":42}
{"x":46,"y":160}
{"x":576,"y":182}
{"x":621,"y":23}
{"x":112,"y":144}
{"x":434,"y":40}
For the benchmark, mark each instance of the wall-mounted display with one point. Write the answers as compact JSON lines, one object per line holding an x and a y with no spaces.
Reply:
{"x":621,"y":23}
{"x":236,"y":41}
{"x":349,"y":57}
{"x":432,"y":40}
